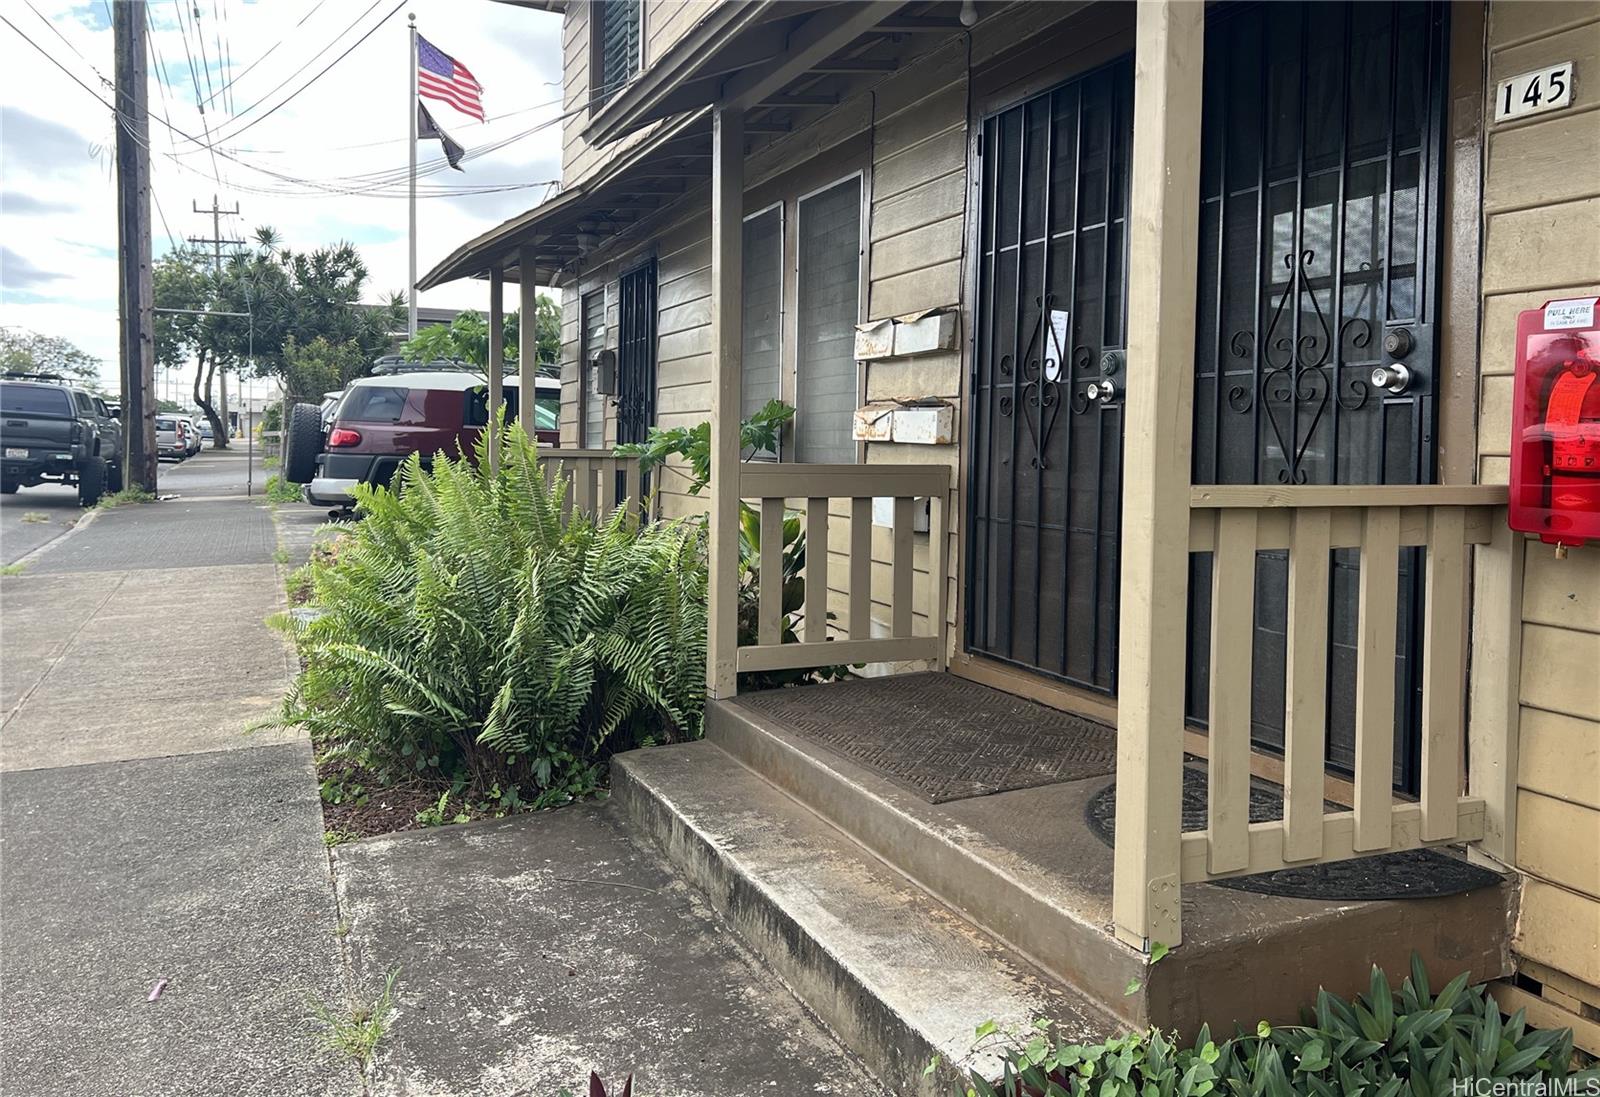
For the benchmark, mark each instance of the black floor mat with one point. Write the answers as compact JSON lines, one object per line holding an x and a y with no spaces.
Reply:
{"x":1409,"y":874}
{"x":942,"y":737}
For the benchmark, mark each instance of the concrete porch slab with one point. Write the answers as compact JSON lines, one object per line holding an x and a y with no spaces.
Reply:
{"x":1025,"y":866}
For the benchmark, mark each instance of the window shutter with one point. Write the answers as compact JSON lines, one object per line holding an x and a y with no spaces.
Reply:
{"x":619,"y":46}
{"x":763,"y":312}
{"x":829,"y":307}
{"x":592,"y":320}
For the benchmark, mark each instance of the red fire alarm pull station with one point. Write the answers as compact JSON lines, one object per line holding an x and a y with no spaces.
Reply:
{"x":1555,"y":439}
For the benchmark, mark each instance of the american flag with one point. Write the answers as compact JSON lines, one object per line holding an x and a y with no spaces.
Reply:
{"x":442,"y":77}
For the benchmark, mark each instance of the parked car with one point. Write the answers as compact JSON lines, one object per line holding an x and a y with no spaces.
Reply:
{"x":205,"y":430}
{"x":381,"y":420}
{"x":172,"y":437}
{"x":57,"y":432}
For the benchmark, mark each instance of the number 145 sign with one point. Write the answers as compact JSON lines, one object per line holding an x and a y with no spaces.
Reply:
{"x":1534,"y":92}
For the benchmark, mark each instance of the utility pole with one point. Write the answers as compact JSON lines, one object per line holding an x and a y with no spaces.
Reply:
{"x":216,"y":241}
{"x":135,"y":289}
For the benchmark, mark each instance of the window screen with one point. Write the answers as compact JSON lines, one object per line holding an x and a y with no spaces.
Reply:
{"x":593,"y":331}
{"x":829,"y":304}
{"x":618,"y":53}
{"x":763,"y":311}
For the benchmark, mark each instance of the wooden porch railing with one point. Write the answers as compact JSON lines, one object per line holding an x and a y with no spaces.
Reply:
{"x":1234,"y":524}
{"x":598,"y":480}
{"x":771,"y":486}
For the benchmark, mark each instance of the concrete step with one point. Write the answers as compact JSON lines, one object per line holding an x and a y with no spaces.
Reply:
{"x":1025,"y":867}
{"x":893,"y":971}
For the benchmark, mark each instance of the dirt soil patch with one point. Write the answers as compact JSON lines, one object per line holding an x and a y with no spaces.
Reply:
{"x":374,"y":809}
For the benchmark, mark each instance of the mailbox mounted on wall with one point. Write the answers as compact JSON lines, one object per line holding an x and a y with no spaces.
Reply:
{"x":1555,"y":429}
{"x":604,"y":365}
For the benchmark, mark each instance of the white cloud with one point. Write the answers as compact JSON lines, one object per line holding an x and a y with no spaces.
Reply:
{"x":58,"y":273}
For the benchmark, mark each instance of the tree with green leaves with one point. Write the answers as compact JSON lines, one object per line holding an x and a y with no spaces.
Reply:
{"x":267,"y":305}
{"x":467,"y":338}
{"x":24,"y":351}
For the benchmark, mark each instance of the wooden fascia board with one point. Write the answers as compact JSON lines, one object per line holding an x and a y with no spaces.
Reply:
{"x":495,"y":247}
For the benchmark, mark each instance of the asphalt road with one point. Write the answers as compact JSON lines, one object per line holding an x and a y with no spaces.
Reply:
{"x":34,"y":517}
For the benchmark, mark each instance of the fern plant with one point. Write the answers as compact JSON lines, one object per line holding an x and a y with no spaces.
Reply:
{"x":471,"y":632}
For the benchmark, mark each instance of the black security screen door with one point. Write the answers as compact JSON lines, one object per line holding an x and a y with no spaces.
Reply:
{"x":1046,"y":475}
{"x":1319,"y":215}
{"x":636,"y":353}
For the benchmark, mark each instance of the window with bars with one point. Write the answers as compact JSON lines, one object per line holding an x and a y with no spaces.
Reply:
{"x":828,"y":305}
{"x":618,"y":32}
{"x":763,"y":312}
{"x":592,"y":338}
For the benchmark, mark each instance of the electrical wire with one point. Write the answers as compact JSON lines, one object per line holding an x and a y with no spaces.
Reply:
{"x":268,"y":53}
{"x":232,"y":136}
{"x":358,"y":185}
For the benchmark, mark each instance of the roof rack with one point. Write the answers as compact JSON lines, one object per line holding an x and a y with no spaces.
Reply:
{"x":394,"y":363}
{"x":24,"y":375}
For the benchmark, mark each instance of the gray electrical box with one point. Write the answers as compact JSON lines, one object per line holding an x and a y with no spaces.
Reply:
{"x":605,"y":372}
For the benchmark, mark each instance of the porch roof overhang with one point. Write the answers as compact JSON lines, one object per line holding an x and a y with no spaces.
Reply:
{"x":560,"y":231}
{"x":742,"y":51}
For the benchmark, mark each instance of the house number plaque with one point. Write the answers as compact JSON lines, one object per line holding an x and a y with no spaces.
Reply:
{"x":1534,"y":92}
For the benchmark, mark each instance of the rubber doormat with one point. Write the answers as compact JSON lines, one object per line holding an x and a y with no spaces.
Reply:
{"x":1408,"y":874}
{"x":942,"y":737}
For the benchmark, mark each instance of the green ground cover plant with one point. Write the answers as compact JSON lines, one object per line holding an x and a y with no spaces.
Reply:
{"x":133,"y":493}
{"x":468,"y":635}
{"x":280,"y":490}
{"x":1410,"y":1043}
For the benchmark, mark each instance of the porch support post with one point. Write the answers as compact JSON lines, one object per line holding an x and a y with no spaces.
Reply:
{"x":527,"y":339}
{"x":497,"y":353}
{"x":1494,"y":723}
{"x":727,"y":339}
{"x":1162,"y":266}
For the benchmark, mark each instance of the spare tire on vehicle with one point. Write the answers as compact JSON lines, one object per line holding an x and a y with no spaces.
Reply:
{"x":302,"y":443}
{"x":91,"y":481}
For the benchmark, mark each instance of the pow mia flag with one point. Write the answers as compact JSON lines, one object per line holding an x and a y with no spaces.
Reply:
{"x":427,"y":127}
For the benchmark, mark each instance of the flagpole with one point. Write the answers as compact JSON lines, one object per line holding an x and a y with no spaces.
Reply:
{"x":411,"y":116}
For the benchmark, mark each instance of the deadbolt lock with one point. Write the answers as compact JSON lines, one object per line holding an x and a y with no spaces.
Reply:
{"x":1397,"y":342}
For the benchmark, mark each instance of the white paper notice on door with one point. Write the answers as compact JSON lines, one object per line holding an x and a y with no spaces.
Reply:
{"x":1576,"y":312}
{"x":1055,"y":345}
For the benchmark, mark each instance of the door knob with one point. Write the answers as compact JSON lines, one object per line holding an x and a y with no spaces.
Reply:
{"x":1394,"y":378}
{"x":1103,"y":390}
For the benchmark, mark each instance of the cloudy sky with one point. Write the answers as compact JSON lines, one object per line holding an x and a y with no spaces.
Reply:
{"x":253,"y":59}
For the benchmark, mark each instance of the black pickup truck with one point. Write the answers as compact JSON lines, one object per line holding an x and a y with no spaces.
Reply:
{"x":55,"y":431}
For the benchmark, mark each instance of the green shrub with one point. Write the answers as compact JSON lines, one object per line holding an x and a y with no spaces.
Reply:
{"x":1414,"y":1044}
{"x":468,"y":634}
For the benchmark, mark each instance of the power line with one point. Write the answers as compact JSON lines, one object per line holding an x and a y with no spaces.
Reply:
{"x":268,"y":53}
{"x":366,"y":188}
{"x":234,"y":118}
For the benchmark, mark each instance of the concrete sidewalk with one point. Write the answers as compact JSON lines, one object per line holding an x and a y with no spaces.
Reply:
{"x":143,"y":835}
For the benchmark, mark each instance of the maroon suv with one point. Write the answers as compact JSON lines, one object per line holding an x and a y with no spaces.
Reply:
{"x":382,"y":420}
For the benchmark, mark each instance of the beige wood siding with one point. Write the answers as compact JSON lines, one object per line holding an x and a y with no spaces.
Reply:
{"x":1541,"y":240}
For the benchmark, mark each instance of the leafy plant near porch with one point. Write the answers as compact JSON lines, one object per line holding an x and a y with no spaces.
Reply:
{"x":758,"y":434}
{"x":470,"y":635}
{"x":1414,"y":1044}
